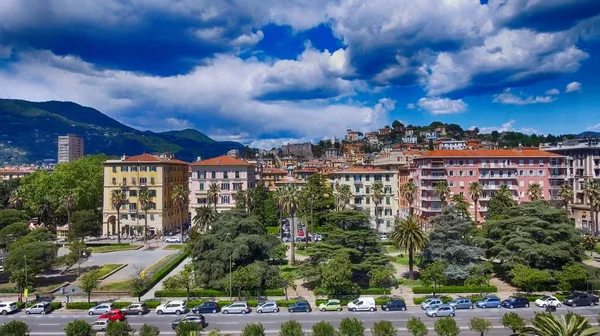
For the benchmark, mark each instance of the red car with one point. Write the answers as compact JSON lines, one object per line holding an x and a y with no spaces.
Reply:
{"x":113,"y":315}
{"x":300,"y":233}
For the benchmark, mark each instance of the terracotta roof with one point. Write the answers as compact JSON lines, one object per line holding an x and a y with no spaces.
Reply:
{"x":15,"y":171}
{"x":490,"y":153}
{"x":152,"y":158}
{"x":306,"y":170}
{"x":223,"y":160}
{"x":273,"y":170}
{"x":360,"y":169}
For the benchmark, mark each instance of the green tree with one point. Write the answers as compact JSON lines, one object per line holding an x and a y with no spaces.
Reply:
{"x":214,"y":191}
{"x":138,"y":286}
{"x":503,"y":199}
{"x":589,"y":244}
{"x":241,"y":199}
{"x":22,"y":279}
{"x":204,"y":218}
{"x":409,"y":236}
{"x":119,"y":329}
{"x":343,"y":195}
{"x":13,"y":232}
{"x":291,"y":328}
{"x":179,"y":196}
{"x":442,"y":190}
{"x":377,"y":192}
{"x":480,"y":325}
{"x":77,"y":252}
{"x":68,"y":202}
{"x":461,"y":204}
{"x":446,"y":326}
{"x":535,"y":192}
{"x":117,"y":199}
{"x":39,"y":256}
{"x":416,"y":327}
{"x":253,"y":329}
{"x":570,"y":277}
{"x":336,"y":278}
{"x":351,"y":326}
{"x":149,"y":330}
{"x":475,"y":191}
{"x":186,"y":279}
{"x":323,"y":328}
{"x":565,"y":192}
{"x":85,"y":223}
{"x":529,"y":279}
{"x":433,"y":275}
{"x":384,"y":328}
{"x":291,"y":200}
{"x":409,"y":192}
{"x":591,"y":191}
{"x":88,"y":282}
{"x":288,"y":280}
{"x":187,"y":328}
{"x":513,"y":321}
{"x":15,"y":197}
{"x":14,"y":328}
{"x":146,"y":204}
{"x":382,"y":277}
{"x":545,"y":324}
{"x":10,"y":216}
{"x":79,"y":328}
{"x":480,"y":275}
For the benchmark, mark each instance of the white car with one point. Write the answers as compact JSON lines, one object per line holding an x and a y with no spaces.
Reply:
{"x":172,"y":307}
{"x":546,"y":301}
{"x":7,"y":307}
{"x":100,"y":325}
{"x":172,"y":240}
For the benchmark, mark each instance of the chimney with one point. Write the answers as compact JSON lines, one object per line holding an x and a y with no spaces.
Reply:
{"x":123,"y":157}
{"x":199,"y":158}
{"x":520,"y":148}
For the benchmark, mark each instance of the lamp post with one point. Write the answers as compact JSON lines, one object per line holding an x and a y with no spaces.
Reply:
{"x":230,"y":266}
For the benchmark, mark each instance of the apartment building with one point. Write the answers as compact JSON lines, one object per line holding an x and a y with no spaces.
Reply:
{"x":228,"y":173}
{"x":10,"y":173}
{"x":157,"y":173}
{"x":271,"y":175}
{"x":70,"y":148}
{"x":450,"y":144}
{"x":399,"y":161}
{"x":516,"y":168}
{"x":361,"y":180}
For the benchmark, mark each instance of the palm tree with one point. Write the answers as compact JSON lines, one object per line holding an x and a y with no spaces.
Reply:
{"x":409,"y":236}
{"x":205,"y":217}
{"x":179,"y":197}
{"x":43,"y":209}
{"x":278,"y":197}
{"x":377,"y":190}
{"x":213,"y":194}
{"x":409,"y":191}
{"x":240,"y":199}
{"x":475,"y":190}
{"x":16,"y":199}
{"x":442,"y":190}
{"x":534,"y":191}
{"x":590,"y":190}
{"x":565,"y":192}
{"x":291,"y":200}
{"x":461,"y":204}
{"x":343,"y":196}
{"x":504,"y":194}
{"x":566,"y":325}
{"x":68,"y":202}
{"x":117,"y":198}
{"x":145,"y":198}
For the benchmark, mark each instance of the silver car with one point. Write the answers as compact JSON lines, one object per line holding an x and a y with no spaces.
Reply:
{"x":236,"y":308}
{"x":39,"y":308}
{"x":100,"y":325}
{"x":440,"y":310}
{"x":100,"y":309}
{"x":267,"y":307}
{"x":430,"y":302}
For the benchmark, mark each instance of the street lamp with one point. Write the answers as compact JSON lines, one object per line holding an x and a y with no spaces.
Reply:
{"x":230,"y":266}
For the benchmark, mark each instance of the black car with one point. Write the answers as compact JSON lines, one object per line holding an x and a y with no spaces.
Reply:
{"x":580,"y":299}
{"x":195,"y":318}
{"x":394,"y":305}
{"x":515,"y":302}
{"x":300,"y":306}
{"x":206,"y":307}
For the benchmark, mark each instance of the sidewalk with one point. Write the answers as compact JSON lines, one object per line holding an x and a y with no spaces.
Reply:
{"x":150,"y":294}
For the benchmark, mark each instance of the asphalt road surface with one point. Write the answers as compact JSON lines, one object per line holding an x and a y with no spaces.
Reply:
{"x":53,"y":324}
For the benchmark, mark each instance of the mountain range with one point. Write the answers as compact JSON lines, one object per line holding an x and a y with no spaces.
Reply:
{"x":29,"y":132}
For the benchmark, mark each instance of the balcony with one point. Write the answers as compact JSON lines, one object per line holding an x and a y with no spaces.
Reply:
{"x":498,"y":165}
{"x":427,"y":187}
{"x":498,"y":177}
{"x":431,"y":198}
{"x":497,"y":187}
{"x":200,"y":192}
{"x":433,"y":177}
{"x":132,"y":210}
{"x":433,"y":166}
{"x":429,"y":209}
{"x":558,"y":177}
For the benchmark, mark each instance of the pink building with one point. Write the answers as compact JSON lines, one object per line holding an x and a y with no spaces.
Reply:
{"x":228,"y":173}
{"x":516,"y":168}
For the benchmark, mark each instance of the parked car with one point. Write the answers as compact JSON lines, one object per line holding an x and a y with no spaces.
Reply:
{"x":236,"y":308}
{"x":113,"y":315}
{"x":300,"y":306}
{"x":172,"y":240}
{"x":195,"y":318}
{"x":489,"y":302}
{"x":383,"y":237}
{"x":136,"y":309}
{"x":546,"y":301}
{"x":331,"y":305}
{"x":362,"y":304}
{"x":440,"y":310}
{"x":100,"y":309}
{"x":430,"y":302}
{"x":172,"y":307}
{"x":100,"y":325}
{"x":206,"y":307}
{"x":394,"y":305}
{"x":39,"y":308}
{"x":580,"y":299}
{"x":267,"y":307}
{"x":461,"y":303}
{"x":515,"y":302}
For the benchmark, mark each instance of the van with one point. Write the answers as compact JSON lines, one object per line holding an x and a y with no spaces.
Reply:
{"x":362,"y":304}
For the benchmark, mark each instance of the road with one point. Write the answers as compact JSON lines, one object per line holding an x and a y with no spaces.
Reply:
{"x":53,"y":324}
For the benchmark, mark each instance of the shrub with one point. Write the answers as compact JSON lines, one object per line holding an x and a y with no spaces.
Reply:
{"x":121,"y":305}
{"x":416,"y":327}
{"x":78,"y":328}
{"x":351,"y":326}
{"x":194,"y":303}
{"x":284,"y":303}
{"x":118,"y":329}
{"x":81,"y":305}
{"x":374,"y":291}
{"x":323,"y":328}
{"x":56,"y":305}
{"x":152,"y":304}
{"x":208,"y":293}
{"x":14,"y":328}
{"x":291,"y":328}
{"x":165,"y":270}
{"x":454,"y":289}
{"x":446,"y":326}
{"x":274,"y":292}
{"x":384,"y":328}
{"x":513,"y":321}
{"x":187,"y":328}
{"x":253,"y":329}
{"x":148,"y":330}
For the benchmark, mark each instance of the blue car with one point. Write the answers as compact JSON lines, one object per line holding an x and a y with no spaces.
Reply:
{"x":489,"y":302}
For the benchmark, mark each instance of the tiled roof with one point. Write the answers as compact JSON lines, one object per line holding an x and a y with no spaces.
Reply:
{"x":221,"y":161}
{"x":360,"y":169}
{"x":273,"y":170}
{"x":152,"y":158}
{"x":306,"y":170}
{"x":526,"y":152}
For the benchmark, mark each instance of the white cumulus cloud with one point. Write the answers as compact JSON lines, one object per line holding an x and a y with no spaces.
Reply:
{"x":552,"y":92}
{"x":436,"y":105}
{"x":573,"y":86}
{"x":509,"y":98}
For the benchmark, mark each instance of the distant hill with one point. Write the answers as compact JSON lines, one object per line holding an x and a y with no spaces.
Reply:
{"x":589,"y":134}
{"x":29,"y":131}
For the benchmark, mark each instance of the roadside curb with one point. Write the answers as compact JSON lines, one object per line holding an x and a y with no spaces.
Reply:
{"x":114,"y":271}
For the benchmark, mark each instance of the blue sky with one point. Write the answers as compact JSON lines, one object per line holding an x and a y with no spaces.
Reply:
{"x":266,"y":72}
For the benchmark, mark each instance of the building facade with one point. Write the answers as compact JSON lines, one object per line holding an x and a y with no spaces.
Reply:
{"x":10,"y":173}
{"x":271,"y":175}
{"x":514,"y":168}
{"x":157,"y":173}
{"x":361,"y":180}
{"x":70,"y":148}
{"x":226,"y":172}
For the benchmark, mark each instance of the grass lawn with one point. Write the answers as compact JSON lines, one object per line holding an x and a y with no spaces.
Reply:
{"x":302,"y":252}
{"x":120,"y":286}
{"x":291,"y":269}
{"x":160,"y":263}
{"x":401,"y":259}
{"x":391,"y":249}
{"x":409,"y":283}
{"x":114,"y":248}
{"x":174,"y":247}
{"x":107,"y":268}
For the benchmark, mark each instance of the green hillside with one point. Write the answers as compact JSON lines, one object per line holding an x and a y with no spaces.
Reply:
{"x":29,"y":131}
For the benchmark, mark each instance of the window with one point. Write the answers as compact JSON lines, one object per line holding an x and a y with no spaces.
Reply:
{"x":225,"y":199}
{"x":461,"y":162}
{"x":356,"y":178}
{"x":152,"y":180}
{"x":531,"y":173}
{"x":124,"y":168}
{"x":114,"y":180}
{"x":387,"y":190}
{"x":521,"y":183}
{"x":114,"y":169}
{"x":143,"y":180}
{"x":451,"y":183}
{"x":152,"y":168}
{"x":367,"y":200}
{"x":521,"y":194}
{"x":132,"y":206}
{"x":134,"y":168}
{"x":357,"y":200}
{"x":143,"y":169}
{"x":224,"y":186}
{"x":540,"y":173}
{"x":357,"y":189}
{"x":451,"y":173}
{"x":470,"y":162}
{"x":237,"y":174}
{"x":531,"y":162}
{"x":213,"y":175}
{"x":377,"y":177}
{"x":541,"y":162}
{"x":461,"y":183}
{"x":460,"y":173}
{"x":153,"y":193}
{"x":201,"y":186}
{"x":541,"y":183}
{"x":521,"y":173}
{"x":347,"y":177}
{"x":387,"y":178}
{"x":124,"y":180}
{"x":387,"y":201}
{"x":451,"y":163}
{"x":132,"y":193}
{"x":238,"y":186}
{"x":225,"y":175}
{"x":388,"y":212}
{"x":367,"y":177}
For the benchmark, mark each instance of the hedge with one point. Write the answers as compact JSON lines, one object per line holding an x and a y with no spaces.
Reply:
{"x":418,"y":301}
{"x":374,"y":291}
{"x":284,"y":303}
{"x":454,"y":289}
{"x":208,"y":293}
{"x":274,"y":292}
{"x":81,"y":305}
{"x":152,"y":304}
{"x":121,"y":305}
{"x":161,"y":273}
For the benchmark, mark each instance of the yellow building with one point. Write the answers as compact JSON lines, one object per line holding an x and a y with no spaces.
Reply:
{"x":272,"y":175}
{"x":159,"y":175}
